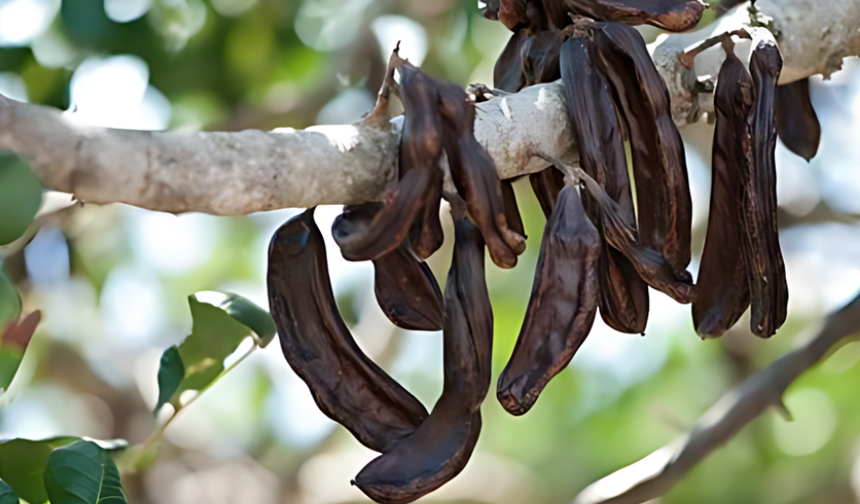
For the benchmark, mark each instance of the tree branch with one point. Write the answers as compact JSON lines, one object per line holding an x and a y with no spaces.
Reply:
{"x":250,"y":171}
{"x":657,"y":473}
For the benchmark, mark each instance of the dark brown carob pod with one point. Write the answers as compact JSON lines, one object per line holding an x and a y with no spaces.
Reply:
{"x":796,"y":122}
{"x":659,"y":166}
{"x":442,"y":445}
{"x":546,"y":185}
{"x":508,"y":71}
{"x":346,"y":385}
{"x":623,"y":294}
{"x":670,"y":15}
{"x":512,"y":210}
{"x":722,"y":291}
{"x":561,"y":308}
{"x":540,"y":59}
{"x":474,"y":174}
{"x":619,"y":231}
{"x":768,"y":288}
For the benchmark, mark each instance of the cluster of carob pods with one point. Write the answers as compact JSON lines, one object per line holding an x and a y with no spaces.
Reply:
{"x":598,"y":249}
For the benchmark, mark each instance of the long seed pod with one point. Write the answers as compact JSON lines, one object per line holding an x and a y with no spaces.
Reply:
{"x":474,"y":174}
{"x":512,"y":210}
{"x":346,"y":385}
{"x":442,"y":445}
{"x":561,"y":308}
{"x":623,"y":294}
{"x":722,"y":291}
{"x":663,"y":193}
{"x":508,"y":71}
{"x":768,"y":287}
{"x":796,"y":122}
{"x":670,"y":15}
{"x":619,"y":232}
{"x":541,"y":55}
{"x":546,"y":185}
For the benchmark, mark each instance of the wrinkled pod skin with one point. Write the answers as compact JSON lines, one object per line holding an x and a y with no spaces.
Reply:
{"x":442,"y":445}
{"x":670,"y":15}
{"x":768,"y":288}
{"x":405,"y":288}
{"x":722,"y":291}
{"x":796,"y":122}
{"x":623,"y":294}
{"x":664,"y":204}
{"x":346,"y":385}
{"x":562,"y":306}
{"x":512,"y":210}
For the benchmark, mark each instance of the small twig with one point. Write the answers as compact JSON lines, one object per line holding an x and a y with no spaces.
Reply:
{"x":657,"y":473}
{"x":572,"y":175}
{"x":688,"y":56}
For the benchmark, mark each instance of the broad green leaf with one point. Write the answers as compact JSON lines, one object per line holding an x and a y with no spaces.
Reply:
{"x":83,"y":473}
{"x":244,"y":311}
{"x":20,"y":197}
{"x":10,"y":302}
{"x":13,"y":343}
{"x":7,"y":495}
{"x":171,"y":371}
{"x":23,"y":462}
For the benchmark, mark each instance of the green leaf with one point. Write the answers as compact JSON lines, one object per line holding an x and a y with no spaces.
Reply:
{"x":170,"y":375}
{"x":20,"y":197}
{"x":83,"y":473}
{"x":244,"y":311}
{"x":7,"y":495}
{"x":13,"y":343}
{"x":10,"y":302}
{"x":23,"y":462}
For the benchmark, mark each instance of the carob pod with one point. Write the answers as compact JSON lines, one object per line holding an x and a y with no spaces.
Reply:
{"x":796,"y":122}
{"x":512,"y":210}
{"x":561,"y":308}
{"x":442,"y":445}
{"x":722,"y":291}
{"x":405,"y":288}
{"x":768,"y":288}
{"x":546,"y":185}
{"x":508,"y":71}
{"x":670,"y":15}
{"x":346,"y":385}
{"x":474,"y":174}
{"x":623,"y":294}
{"x":664,"y":204}
{"x":619,"y":231}
{"x":540,"y":59}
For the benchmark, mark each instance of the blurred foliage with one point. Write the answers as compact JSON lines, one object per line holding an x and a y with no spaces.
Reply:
{"x":113,"y":281}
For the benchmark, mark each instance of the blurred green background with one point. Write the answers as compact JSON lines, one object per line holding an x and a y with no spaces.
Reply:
{"x":112,"y":281}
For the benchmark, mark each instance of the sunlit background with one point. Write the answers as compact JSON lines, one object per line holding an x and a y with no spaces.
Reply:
{"x":112,"y":281}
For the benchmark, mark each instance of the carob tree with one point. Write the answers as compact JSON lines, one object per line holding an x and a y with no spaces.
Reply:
{"x":603,"y":243}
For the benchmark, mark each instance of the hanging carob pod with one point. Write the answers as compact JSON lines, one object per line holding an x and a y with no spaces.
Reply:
{"x":512,"y":210}
{"x":562,"y":306}
{"x":623,"y":294}
{"x":541,"y":55}
{"x":508,"y":70}
{"x":768,"y":288}
{"x":796,"y":122}
{"x":442,"y":445}
{"x":346,"y":385}
{"x":662,"y":189}
{"x":722,"y":291}
{"x":670,"y":15}
{"x":405,"y":288}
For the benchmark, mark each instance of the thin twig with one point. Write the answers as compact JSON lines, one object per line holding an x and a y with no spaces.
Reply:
{"x":657,"y":473}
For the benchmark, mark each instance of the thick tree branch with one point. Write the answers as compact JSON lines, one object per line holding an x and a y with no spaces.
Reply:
{"x":249,"y":171}
{"x":657,"y":473}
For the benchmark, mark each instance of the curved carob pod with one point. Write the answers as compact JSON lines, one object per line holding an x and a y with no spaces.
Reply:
{"x":768,"y":288}
{"x":508,"y":71}
{"x":663,"y":193}
{"x":474,"y":174}
{"x":561,"y":308}
{"x":670,"y":15}
{"x":405,"y":288}
{"x":546,"y":185}
{"x":619,"y":231}
{"x":442,"y":445}
{"x":540,"y":59}
{"x":512,"y":210}
{"x":623,"y":294}
{"x":796,"y":122}
{"x":722,"y":291}
{"x":346,"y":385}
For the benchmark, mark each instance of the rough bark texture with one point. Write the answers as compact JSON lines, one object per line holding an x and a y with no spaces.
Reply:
{"x":250,"y":171}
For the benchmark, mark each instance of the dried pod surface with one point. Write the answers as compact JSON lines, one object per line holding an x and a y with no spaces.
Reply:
{"x":512,"y":210}
{"x":508,"y":71}
{"x":546,"y":185}
{"x":671,"y":15}
{"x":722,"y":289}
{"x":623,"y":294}
{"x":796,"y":122}
{"x":768,"y":288}
{"x":442,"y":445}
{"x":541,"y":55}
{"x":665,"y":207}
{"x":346,"y":385}
{"x":561,"y":308}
